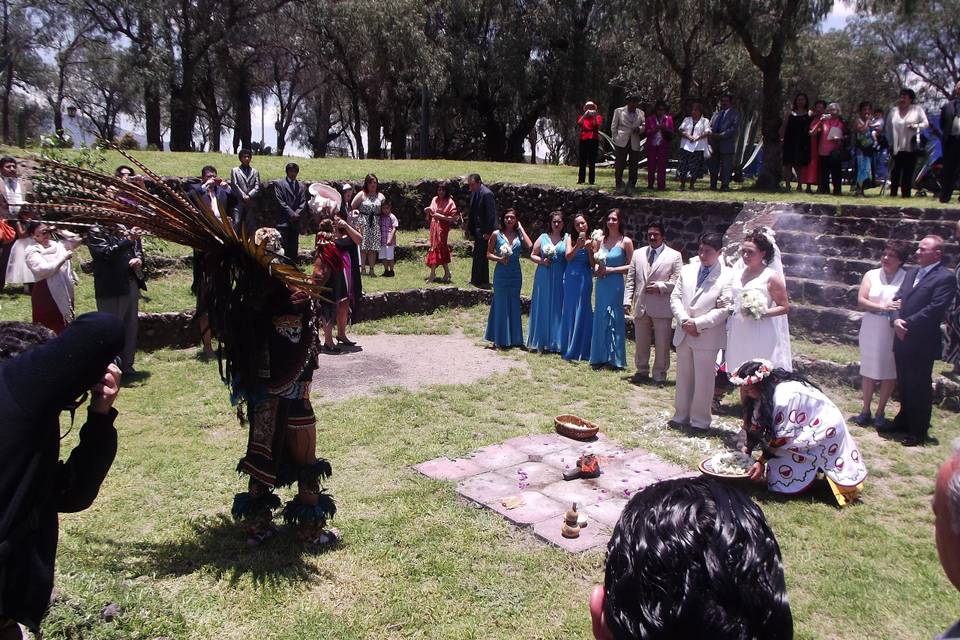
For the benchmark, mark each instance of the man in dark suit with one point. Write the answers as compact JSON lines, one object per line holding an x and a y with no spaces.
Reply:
{"x":482,"y":221}
{"x":292,"y":197}
{"x":723,"y":142}
{"x":925,"y":295}
{"x":950,"y":127}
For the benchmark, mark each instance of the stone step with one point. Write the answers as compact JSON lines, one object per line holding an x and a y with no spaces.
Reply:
{"x":805,"y":291}
{"x":881,"y":227}
{"x":864,"y":247}
{"x":870,"y":211}
{"x":831,"y":323}
{"x":838,"y":270}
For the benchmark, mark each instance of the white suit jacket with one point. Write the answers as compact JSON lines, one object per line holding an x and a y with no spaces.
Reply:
{"x":622,"y":133}
{"x":700,"y":303}
{"x":663,"y":273}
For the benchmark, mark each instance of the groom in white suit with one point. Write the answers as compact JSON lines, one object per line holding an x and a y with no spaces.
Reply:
{"x":700,"y":303}
{"x":650,"y":279}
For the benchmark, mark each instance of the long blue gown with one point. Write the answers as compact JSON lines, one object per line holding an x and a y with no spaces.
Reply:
{"x":504,"y":326}
{"x":546,"y":307}
{"x":576,"y":320}
{"x":609,"y":343}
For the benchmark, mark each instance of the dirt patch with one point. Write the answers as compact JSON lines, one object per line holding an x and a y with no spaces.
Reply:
{"x":408,"y":361}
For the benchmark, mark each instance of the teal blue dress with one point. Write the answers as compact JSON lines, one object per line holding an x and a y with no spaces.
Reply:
{"x":609,"y":343}
{"x":504,"y":327}
{"x":546,"y":307}
{"x":576,"y":319}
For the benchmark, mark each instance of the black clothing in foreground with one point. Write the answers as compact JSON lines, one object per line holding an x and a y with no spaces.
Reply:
{"x":481,"y":221}
{"x":34,"y":484}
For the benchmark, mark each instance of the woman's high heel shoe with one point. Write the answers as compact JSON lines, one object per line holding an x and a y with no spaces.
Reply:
{"x":349,"y":343}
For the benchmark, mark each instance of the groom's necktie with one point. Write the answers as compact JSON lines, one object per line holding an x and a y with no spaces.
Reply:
{"x":702,"y":275}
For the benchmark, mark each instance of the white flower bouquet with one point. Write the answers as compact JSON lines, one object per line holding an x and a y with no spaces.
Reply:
{"x":753,"y":304}
{"x":596,"y":235}
{"x":549,"y":251}
{"x":505,"y":250}
{"x":600,"y":257}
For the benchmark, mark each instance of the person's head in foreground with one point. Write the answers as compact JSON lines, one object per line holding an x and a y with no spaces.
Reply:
{"x":946,"y":515}
{"x":688,"y":559}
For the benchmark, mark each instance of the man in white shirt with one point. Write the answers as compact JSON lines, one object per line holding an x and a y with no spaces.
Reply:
{"x":11,"y":197}
{"x":626,"y":128}
{"x":650,"y":279}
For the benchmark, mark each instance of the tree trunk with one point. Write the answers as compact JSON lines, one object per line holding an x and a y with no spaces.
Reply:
{"x":58,"y":117}
{"x":152,"y":115}
{"x":7,"y":91}
{"x":243,"y":119}
{"x":771,"y":118}
{"x":281,"y":138}
{"x":357,"y":128}
{"x":183,"y":113}
{"x":373,"y":134}
{"x":398,"y":136}
{"x":532,"y":139}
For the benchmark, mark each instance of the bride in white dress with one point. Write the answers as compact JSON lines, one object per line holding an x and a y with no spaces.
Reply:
{"x":768,"y":336}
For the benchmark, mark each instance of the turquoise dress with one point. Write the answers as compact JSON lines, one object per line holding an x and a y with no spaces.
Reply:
{"x":546,"y":307}
{"x":609,"y":343}
{"x":504,"y":328}
{"x":576,"y":319}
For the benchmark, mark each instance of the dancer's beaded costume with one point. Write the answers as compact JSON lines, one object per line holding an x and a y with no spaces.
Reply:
{"x":261,"y":309}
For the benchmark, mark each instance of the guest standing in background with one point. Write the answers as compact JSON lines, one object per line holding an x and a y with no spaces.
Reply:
{"x":651,"y":276}
{"x":589,"y":122}
{"x":723,"y":138}
{"x":831,"y":132}
{"x":700,"y":303}
{"x":925,"y":296}
{"x":352,"y":218}
{"x":546,"y":305}
{"x":481,"y":222}
{"x":245,"y":181}
{"x":795,"y":138}
{"x":950,"y":127}
{"x":865,"y":147}
{"x":659,"y":128}
{"x":368,"y":203}
{"x":610,"y":259}
{"x":904,"y":123}
{"x":388,"y":234}
{"x":292,"y":198}
{"x":876,"y":299}
{"x":347,"y":240}
{"x":211,"y":194}
{"x":952,"y":351}
{"x":576,"y":319}
{"x":52,"y":296}
{"x":504,"y":324}
{"x":627,"y":131}
{"x":694,"y":132}
{"x":441,"y":213}
{"x":13,"y":194}
{"x":810,"y":174}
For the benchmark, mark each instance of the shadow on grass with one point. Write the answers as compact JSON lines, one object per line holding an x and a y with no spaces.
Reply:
{"x":218,"y":545}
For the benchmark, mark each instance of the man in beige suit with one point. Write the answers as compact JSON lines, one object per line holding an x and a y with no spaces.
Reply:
{"x":650,"y":279}
{"x":626,"y":129}
{"x":700,"y":303}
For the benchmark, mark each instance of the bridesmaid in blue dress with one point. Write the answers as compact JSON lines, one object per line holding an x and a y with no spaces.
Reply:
{"x":504,"y":326}
{"x":576,"y":320}
{"x":543,"y":332}
{"x":610,"y":260}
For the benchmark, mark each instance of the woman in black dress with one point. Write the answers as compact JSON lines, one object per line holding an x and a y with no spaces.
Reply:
{"x":795,"y":138}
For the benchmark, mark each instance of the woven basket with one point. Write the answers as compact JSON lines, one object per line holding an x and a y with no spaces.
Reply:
{"x":574,"y":427}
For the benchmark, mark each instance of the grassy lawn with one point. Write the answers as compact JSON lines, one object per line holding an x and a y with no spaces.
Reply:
{"x":418,"y":562}
{"x":311,"y":169}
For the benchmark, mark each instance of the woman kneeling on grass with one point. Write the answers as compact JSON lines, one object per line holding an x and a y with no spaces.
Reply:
{"x":800,"y":433}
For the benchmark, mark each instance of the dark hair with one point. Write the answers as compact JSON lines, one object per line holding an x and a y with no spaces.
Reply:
{"x":209,"y":168}
{"x":245,"y":152}
{"x":910,"y":93}
{"x":658,"y":104}
{"x":711,"y":239}
{"x":503,"y":217}
{"x":823,"y":102}
{"x":694,"y":558}
{"x":633,"y":98}
{"x":370,"y":178}
{"x":291,"y":166}
{"x":865,"y":103}
{"x":387,"y":202}
{"x":33,"y":225}
{"x":445,"y":186}
{"x":726,"y":94}
{"x":898,"y":248}
{"x":798,"y":96}
{"x":17,"y":337}
{"x":475,"y":177}
{"x":123,"y":167}
{"x":606,"y":229}
{"x":656,"y":224}
{"x":767,"y":387}
{"x":696,"y":103}
{"x":5,"y":159}
{"x":573,"y":224}
{"x":763,"y":244}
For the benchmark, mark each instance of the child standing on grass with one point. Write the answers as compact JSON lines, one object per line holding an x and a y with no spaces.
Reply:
{"x":388,"y":231}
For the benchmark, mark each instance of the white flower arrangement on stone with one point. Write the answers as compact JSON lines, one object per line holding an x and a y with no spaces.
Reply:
{"x":549,"y":250}
{"x":753,"y":304}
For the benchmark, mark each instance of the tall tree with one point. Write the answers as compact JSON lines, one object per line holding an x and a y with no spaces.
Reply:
{"x":20,"y":64}
{"x":101,"y":90}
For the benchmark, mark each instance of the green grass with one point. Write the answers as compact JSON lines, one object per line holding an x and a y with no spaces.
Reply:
{"x":417,"y":561}
{"x":272,"y":167}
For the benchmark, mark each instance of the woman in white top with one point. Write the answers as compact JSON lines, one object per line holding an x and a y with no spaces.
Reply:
{"x":52,"y":296}
{"x":759,"y":298}
{"x":904,"y":124}
{"x":877,"y":290}
{"x":694,"y":131}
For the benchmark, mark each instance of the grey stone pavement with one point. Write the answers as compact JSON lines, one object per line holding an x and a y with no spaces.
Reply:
{"x":531,"y":468}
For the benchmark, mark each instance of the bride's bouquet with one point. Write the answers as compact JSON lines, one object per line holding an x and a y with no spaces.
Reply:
{"x":753,"y":304}
{"x":549,"y":251}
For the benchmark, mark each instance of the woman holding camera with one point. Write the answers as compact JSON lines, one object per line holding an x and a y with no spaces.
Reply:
{"x":831,"y":131}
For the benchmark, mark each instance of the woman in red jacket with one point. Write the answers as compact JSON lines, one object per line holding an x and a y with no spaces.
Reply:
{"x":589,"y":122}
